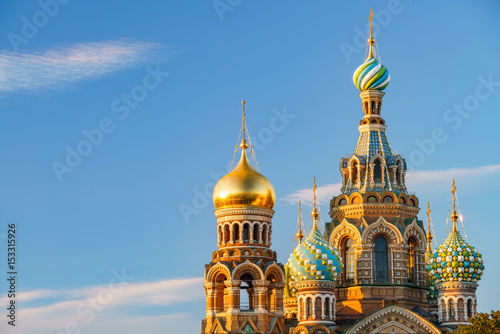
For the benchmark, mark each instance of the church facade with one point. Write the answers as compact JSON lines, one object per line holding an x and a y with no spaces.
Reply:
{"x":370,"y":270}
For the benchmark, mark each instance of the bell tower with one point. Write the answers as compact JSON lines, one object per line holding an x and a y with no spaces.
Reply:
{"x":243,"y":282}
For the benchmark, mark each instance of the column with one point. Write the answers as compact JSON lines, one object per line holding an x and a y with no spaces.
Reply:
{"x":231,"y":232}
{"x":250,"y":234}
{"x":223,"y":234}
{"x":323,"y":307}
{"x":210,"y":292}
{"x":260,"y":289}
{"x":372,"y":175}
{"x":299,"y":308}
{"x":261,"y":229}
{"x":332,"y":308}
{"x":241,"y":234}
{"x":394,"y":176}
{"x":233,"y":296}
{"x":382,"y":177}
{"x":358,"y":176}
{"x":455,"y":307}
{"x":440,"y":311}
{"x":278,"y":291}
{"x":466,"y":316}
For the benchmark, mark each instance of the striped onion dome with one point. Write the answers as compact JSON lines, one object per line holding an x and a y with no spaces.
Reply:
{"x":455,"y":260}
{"x":371,"y":75}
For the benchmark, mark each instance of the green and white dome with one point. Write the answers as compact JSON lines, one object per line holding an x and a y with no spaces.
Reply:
{"x":455,"y":260}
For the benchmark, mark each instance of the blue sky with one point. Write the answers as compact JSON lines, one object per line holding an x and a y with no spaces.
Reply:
{"x":118,"y":237}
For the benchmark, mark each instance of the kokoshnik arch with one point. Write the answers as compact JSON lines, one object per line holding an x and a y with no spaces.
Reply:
{"x":372,"y":268}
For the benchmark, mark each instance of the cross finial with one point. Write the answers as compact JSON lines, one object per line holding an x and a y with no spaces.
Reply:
{"x":428,"y":216}
{"x":315,"y":212}
{"x":454,"y":215}
{"x":299,"y":235}
{"x":371,"y":40}
{"x":243,"y":144}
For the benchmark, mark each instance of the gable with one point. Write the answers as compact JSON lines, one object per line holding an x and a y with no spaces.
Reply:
{"x":393,"y":319}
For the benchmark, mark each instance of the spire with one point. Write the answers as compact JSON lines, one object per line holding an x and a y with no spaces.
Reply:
{"x":243,"y":144}
{"x":429,"y":234}
{"x":371,"y":40}
{"x":454,"y":215}
{"x":299,"y":235}
{"x":315,"y":213}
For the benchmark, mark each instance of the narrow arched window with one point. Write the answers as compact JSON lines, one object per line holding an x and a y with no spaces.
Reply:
{"x":381,"y":261}
{"x":236,"y":232}
{"x":373,"y":107}
{"x":355,"y":172}
{"x":309,"y":307}
{"x":256,"y":233}
{"x":246,"y":232}
{"x":377,"y":172}
{"x":452,"y":308}
{"x":227,"y":234}
{"x":264,"y":234}
{"x":349,"y":261}
{"x":410,"y":261}
{"x":327,"y":306}
{"x":469,"y":308}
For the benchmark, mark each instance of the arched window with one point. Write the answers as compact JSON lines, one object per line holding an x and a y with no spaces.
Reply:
{"x":227,"y":234}
{"x":246,"y":232}
{"x":410,"y":261}
{"x":349,"y":261}
{"x":378,"y":109}
{"x":381,"y":261}
{"x":236,"y":232}
{"x":309,"y":307}
{"x":219,"y":292}
{"x":264,"y":234}
{"x":373,"y":107}
{"x":451,"y":308}
{"x":377,"y":172}
{"x":256,"y":233}
{"x":327,"y":306}
{"x":366,"y":108}
{"x":246,"y":293}
{"x":469,"y":308}
{"x":354,"y":177}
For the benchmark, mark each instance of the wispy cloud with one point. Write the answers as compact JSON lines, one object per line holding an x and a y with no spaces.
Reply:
{"x":415,"y":181}
{"x":97,"y":309}
{"x":70,"y":64}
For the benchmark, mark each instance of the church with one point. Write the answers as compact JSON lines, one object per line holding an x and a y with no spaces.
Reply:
{"x":371,"y":269}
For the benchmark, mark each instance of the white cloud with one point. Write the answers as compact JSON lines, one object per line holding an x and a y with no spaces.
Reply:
{"x":415,"y":181}
{"x":106,"y":308}
{"x":60,"y":66}
{"x":324,"y":193}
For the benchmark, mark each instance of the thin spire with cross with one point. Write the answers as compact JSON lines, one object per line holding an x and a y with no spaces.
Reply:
{"x":429,"y":234}
{"x":371,"y":40}
{"x":454,"y":215}
{"x":315,"y":212}
{"x":300,"y":234}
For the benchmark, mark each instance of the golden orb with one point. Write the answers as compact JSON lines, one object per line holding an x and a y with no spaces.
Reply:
{"x":244,"y":186}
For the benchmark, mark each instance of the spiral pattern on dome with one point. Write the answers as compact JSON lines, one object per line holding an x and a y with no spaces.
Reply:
{"x":371,"y":75}
{"x":315,"y":259}
{"x":455,"y":260}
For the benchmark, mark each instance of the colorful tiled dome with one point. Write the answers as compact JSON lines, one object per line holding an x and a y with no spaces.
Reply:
{"x":455,"y":260}
{"x":371,"y":75}
{"x":315,"y":259}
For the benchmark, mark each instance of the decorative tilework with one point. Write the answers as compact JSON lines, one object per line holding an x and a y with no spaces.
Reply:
{"x":315,"y":259}
{"x":455,"y":260}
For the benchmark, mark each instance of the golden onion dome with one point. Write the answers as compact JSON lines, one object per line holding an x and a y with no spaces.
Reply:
{"x":244,"y":186}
